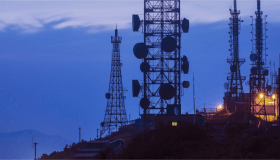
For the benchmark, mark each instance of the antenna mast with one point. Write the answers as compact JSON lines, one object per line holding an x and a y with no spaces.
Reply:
{"x":160,"y":52}
{"x":35,"y":147}
{"x":259,"y":70}
{"x":193,"y":101}
{"x":235,"y":79}
{"x":80,"y":134}
{"x":115,"y":114}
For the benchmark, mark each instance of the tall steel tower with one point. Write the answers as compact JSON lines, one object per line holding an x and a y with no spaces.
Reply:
{"x":259,"y":70}
{"x":115,"y":114}
{"x":235,"y":79}
{"x":258,"y":57}
{"x":160,"y":52}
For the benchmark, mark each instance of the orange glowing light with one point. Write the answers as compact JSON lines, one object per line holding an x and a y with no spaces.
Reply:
{"x":220,"y":107}
{"x":261,"y":95}
{"x":273,"y":96}
{"x":174,"y":123}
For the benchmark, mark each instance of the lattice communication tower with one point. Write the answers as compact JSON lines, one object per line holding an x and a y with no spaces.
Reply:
{"x":234,"y":86}
{"x":259,"y":71}
{"x":160,"y":52}
{"x":115,"y":114}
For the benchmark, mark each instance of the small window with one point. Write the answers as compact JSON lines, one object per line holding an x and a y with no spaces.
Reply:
{"x":174,"y":123}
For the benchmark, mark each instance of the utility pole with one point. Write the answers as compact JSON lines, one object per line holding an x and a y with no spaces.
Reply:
{"x":193,"y":101}
{"x":80,"y":134}
{"x":35,"y":150}
{"x":205,"y":115}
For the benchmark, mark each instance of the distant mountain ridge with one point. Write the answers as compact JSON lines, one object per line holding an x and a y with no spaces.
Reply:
{"x":18,"y":145}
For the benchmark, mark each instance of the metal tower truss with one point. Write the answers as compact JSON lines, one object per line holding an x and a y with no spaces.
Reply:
{"x":259,"y":71}
{"x":235,"y":79}
{"x":161,"y":57}
{"x":115,"y":114}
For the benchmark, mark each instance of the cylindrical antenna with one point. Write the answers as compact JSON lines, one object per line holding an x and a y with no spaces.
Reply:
{"x":116,"y":31}
{"x":235,"y":10}
{"x":259,"y":4}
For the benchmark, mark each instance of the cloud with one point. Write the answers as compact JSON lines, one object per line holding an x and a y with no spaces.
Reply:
{"x":96,"y":15}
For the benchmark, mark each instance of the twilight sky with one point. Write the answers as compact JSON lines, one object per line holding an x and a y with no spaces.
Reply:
{"x":55,"y":58}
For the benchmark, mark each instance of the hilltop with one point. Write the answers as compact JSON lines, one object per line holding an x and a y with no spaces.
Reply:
{"x":189,"y":141}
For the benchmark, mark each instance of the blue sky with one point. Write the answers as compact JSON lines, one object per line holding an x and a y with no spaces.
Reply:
{"x":55,"y":58}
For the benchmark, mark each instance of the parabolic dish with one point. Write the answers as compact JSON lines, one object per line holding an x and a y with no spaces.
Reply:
{"x":145,"y":103}
{"x":266,"y":72}
{"x":253,"y":57}
{"x":166,"y":91}
{"x":185,"y":25}
{"x":168,"y":44}
{"x":185,"y":67}
{"x":186,"y":84}
{"x":145,"y":67}
{"x":107,"y":95}
{"x":176,"y":111}
{"x":233,"y":68}
{"x":135,"y":88}
{"x":185,"y":59}
{"x":140,"y":50}
{"x":135,"y":22}
{"x":254,"y":70}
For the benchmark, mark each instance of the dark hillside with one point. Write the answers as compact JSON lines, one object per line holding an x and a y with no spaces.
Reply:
{"x":190,"y":141}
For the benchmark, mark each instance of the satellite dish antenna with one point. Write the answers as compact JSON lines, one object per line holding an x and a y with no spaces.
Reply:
{"x":145,"y":103}
{"x":168,"y":44}
{"x":233,"y":68}
{"x":185,"y":67}
{"x":102,"y":124}
{"x":254,"y":70}
{"x":185,"y":25}
{"x":145,"y":67}
{"x":186,"y":84}
{"x":166,"y":91}
{"x":176,"y":111}
{"x":135,"y":22}
{"x":266,"y":72}
{"x":184,"y":59}
{"x":253,"y":57}
{"x":135,"y":88}
{"x":140,"y":50}
{"x":108,"y":95}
